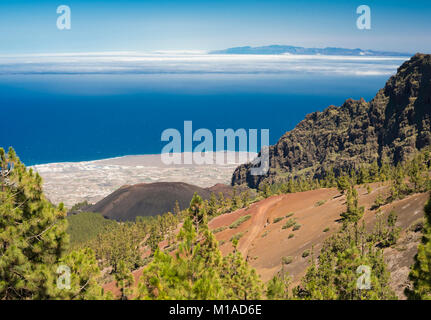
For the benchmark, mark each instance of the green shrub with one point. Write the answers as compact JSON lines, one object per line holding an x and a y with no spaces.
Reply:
{"x":326,"y":229}
{"x":289,"y":215}
{"x":265,"y":234}
{"x":287,"y":260}
{"x":296,"y":227}
{"x":289,"y":223}
{"x":240,"y":221}
{"x":278,"y":219}
{"x":320,"y":203}
{"x":237,"y":236}
{"x":378,"y":202}
{"x":306,"y":253}
{"x":291,"y":236}
{"x":219,"y":229}
{"x":417,"y":225}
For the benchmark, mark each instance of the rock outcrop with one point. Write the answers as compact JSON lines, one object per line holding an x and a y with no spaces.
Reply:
{"x":392,"y":126}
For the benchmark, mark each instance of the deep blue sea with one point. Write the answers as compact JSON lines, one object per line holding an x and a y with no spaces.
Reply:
{"x":57,"y":118}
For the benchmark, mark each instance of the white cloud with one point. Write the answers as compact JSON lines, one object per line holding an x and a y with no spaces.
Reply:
{"x":185,"y":62}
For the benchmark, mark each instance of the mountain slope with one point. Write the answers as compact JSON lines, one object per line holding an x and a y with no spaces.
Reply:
{"x":390,"y":127}
{"x":149,"y":199}
{"x":265,"y":241}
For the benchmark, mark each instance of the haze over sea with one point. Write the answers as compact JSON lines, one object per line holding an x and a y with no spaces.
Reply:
{"x":79,"y":107}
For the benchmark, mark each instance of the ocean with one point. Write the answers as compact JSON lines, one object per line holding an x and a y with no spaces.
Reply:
{"x":68,"y":117}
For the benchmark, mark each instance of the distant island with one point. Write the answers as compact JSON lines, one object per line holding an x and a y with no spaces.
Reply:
{"x":328,"y":51}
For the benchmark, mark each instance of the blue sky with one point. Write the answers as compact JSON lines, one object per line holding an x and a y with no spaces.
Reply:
{"x":29,"y":26}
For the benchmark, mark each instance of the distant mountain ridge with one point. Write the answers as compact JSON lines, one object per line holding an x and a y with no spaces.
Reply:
{"x":391,"y":127}
{"x":329,"y":51}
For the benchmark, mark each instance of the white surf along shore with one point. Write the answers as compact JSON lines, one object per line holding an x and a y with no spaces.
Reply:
{"x":73,"y":182}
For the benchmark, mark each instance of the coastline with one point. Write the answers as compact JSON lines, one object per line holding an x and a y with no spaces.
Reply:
{"x":73,"y":182}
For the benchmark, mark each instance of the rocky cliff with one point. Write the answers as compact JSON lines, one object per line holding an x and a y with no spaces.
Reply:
{"x":390,"y":127}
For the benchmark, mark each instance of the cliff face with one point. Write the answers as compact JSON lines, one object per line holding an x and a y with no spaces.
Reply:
{"x":390,"y":127}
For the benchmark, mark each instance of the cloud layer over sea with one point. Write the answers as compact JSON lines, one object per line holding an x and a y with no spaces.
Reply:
{"x":175,"y":62}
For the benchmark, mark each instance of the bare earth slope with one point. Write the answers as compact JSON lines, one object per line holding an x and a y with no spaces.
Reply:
{"x":264,"y":242}
{"x":149,"y":199}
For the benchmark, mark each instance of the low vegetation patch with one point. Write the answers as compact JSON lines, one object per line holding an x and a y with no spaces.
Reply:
{"x":265,"y":234}
{"x":171,"y":248}
{"x":289,"y":223}
{"x":85,"y":226}
{"x":240,"y":221}
{"x":320,"y":203}
{"x":326,"y":229}
{"x":378,"y":202}
{"x":296,"y":227}
{"x":291,"y":236}
{"x":237,"y":236}
{"x":278,"y":219}
{"x":417,"y":225}
{"x":287,"y":260}
{"x":219,"y":229}
{"x":289,"y":215}
{"x":306,"y":253}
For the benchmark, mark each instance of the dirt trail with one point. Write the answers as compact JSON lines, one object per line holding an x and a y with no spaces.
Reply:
{"x":316,"y":211}
{"x":258,"y":223}
{"x":265,"y":240}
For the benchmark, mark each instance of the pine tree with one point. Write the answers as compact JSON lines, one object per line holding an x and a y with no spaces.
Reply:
{"x":427,"y":158}
{"x":364,"y":175}
{"x":177,"y":209}
{"x":416,"y":168}
{"x":125,"y":280}
{"x":393,"y":232}
{"x":235,"y":199}
{"x":291,"y":186}
{"x":154,"y":238}
{"x":240,"y":280}
{"x":212,"y":205}
{"x":245,"y":197}
{"x":335,"y":276}
{"x":278,"y":287}
{"x":353,"y":213}
{"x":374,"y":172}
{"x":32,"y":233}
{"x":119,"y":243}
{"x":343,"y":184}
{"x":317,"y":284}
{"x":330,"y":180}
{"x":420,"y":273}
{"x":196,"y":211}
{"x":385,"y":170}
{"x":398,"y":186}
{"x":84,"y":274}
{"x":221,"y":201}
{"x":428,"y":182}
{"x":353,"y":177}
{"x":192,"y":274}
{"x":379,"y":201}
